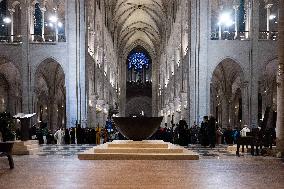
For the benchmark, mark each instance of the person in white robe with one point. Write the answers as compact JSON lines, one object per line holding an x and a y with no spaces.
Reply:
{"x":244,"y":131}
{"x":59,"y":136}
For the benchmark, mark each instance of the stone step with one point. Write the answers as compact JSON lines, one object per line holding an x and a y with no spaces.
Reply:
{"x":26,"y":147}
{"x":138,"y":150}
{"x":26,"y":152}
{"x":133,"y":150}
{"x":23,"y":143}
{"x":139,"y":156}
{"x":138,"y":145}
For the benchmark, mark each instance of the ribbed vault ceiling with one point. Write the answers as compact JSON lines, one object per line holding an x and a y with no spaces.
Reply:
{"x":139,"y":20}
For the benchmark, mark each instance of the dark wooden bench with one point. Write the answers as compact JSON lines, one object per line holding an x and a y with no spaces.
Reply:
{"x":6,"y":150}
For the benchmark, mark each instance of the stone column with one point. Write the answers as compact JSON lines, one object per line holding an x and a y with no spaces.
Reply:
{"x":248,"y":19}
{"x":225,"y":111}
{"x":236,"y":8}
{"x":56,"y":31}
{"x":199,"y":86}
{"x":12,"y":24}
{"x":25,"y":64}
{"x":31,"y":22}
{"x":245,"y":103}
{"x":43,"y":10}
{"x":184,"y":106}
{"x":75,"y":77}
{"x":53,"y":115}
{"x":220,"y":26}
{"x":254,"y":67}
{"x":92,"y":111}
{"x":177,"y":109}
{"x":280,"y":83}
{"x":268,"y":10}
{"x":122,"y":87}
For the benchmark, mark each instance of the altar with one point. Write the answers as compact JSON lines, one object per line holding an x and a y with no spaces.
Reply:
{"x":138,"y":147}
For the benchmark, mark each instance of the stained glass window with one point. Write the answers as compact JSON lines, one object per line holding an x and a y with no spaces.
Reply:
{"x":138,"y":61}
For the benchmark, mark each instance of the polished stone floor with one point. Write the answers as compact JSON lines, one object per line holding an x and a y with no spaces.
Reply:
{"x":63,"y":150}
{"x":73,"y":149}
{"x":58,"y":167}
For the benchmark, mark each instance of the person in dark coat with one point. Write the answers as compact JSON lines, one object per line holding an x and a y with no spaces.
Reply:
{"x":79,"y":134}
{"x":93,"y":136}
{"x":204,"y":132}
{"x":72,"y":135}
{"x":228,"y":136}
{"x":212,"y":132}
{"x":182,"y":132}
{"x":67,"y":136}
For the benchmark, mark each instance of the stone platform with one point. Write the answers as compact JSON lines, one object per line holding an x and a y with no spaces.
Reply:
{"x":29,"y":147}
{"x":138,"y":150}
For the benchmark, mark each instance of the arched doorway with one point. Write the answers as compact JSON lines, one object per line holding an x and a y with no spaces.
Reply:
{"x":51,"y":94}
{"x":226,"y":94}
{"x":10,"y":88}
{"x":138,"y":84}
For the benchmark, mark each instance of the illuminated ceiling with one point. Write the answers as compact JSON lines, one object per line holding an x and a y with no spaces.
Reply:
{"x":139,"y":20}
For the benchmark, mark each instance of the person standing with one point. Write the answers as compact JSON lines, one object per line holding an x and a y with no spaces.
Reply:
{"x":72,"y":135}
{"x":98,"y":135}
{"x":105,"y":133}
{"x":244,"y":131}
{"x":59,"y":136}
{"x":182,"y":133}
{"x":212,"y":132}
{"x":67,"y":136}
{"x":204,"y":131}
{"x":219,"y":135}
{"x":79,"y":134}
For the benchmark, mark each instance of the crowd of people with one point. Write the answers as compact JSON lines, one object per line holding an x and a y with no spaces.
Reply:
{"x":74,"y":135}
{"x":208,"y":134}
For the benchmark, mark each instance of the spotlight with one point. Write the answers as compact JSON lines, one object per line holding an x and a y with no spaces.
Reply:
{"x":7,"y":20}
{"x":53,"y":19}
{"x":271,"y":17}
{"x":60,"y":24}
{"x":225,"y":19}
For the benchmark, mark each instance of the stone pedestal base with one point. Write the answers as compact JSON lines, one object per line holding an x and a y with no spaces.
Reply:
{"x":138,"y":150}
{"x":29,"y":147}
